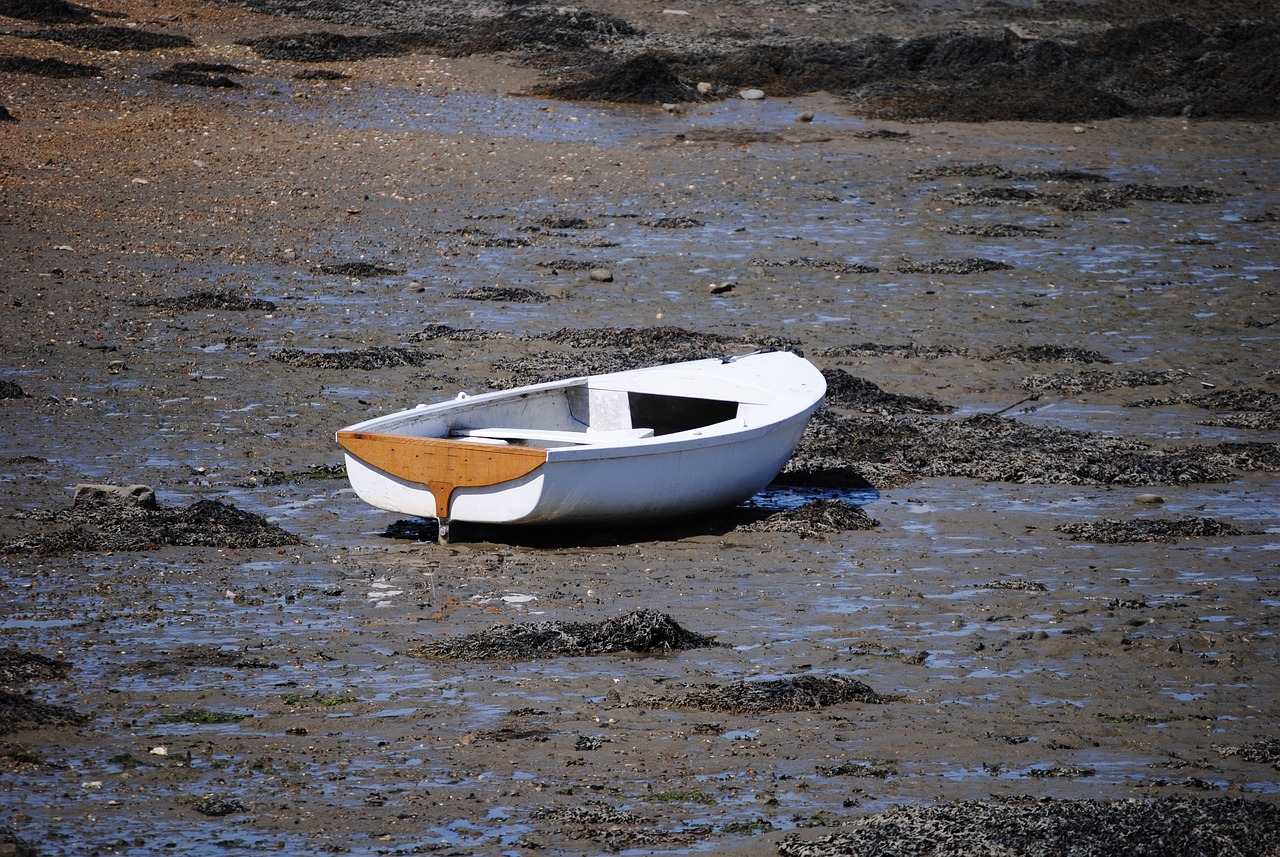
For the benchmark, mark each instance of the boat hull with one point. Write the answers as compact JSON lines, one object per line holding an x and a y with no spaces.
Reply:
{"x":639,"y":486}
{"x":590,"y":465}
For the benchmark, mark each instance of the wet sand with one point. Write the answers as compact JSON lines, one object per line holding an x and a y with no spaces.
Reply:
{"x":222,"y":700}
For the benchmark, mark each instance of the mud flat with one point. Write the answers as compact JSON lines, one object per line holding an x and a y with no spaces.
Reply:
{"x":1016,"y":591}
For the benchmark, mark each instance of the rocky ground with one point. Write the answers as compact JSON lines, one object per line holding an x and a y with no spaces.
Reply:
{"x":1015,"y":592}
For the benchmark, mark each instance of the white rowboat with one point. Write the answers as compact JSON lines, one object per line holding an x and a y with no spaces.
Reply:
{"x":660,"y":442}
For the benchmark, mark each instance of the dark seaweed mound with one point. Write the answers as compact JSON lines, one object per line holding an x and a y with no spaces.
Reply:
{"x":508,"y":294}
{"x":46,"y":11}
{"x":846,"y":451}
{"x":11,"y":390}
{"x":1166,"y":530}
{"x":357,"y":269}
{"x":846,"y":391}
{"x":326,"y":47}
{"x":1050,"y":827}
{"x":18,"y":711}
{"x":58,"y":69}
{"x":644,"y":631}
{"x":814,"y":519}
{"x":366,"y":359}
{"x":98,"y":523}
{"x":204,"y":300}
{"x":112,"y":38}
{"x":20,"y":667}
{"x":800,"y":693}
{"x":648,"y":78}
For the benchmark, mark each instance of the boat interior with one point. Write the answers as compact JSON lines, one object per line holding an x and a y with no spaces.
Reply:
{"x":574,"y":413}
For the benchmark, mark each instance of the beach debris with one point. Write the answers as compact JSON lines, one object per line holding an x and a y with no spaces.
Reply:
{"x":211,"y":75}
{"x":12,"y":390}
{"x":224,"y":299}
{"x":1049,"y":826}
{"x":1102,"y":198}
{"x":675,"y":221}
{"x":215,"y":806}
{"x":834,"y":265}
{"x":47,"y":67}
{"x":814,"y":519}
{"x":1266,"y":751}
{"x":643,"y":631}
{"x":646,"y":78}
{"x":773,"y":696}
{"x":111,"y":38}
{"x":1114,"y":532}
{"x":846,"y":391}
{"x":325,"y":47}
{"x":98,"y":521}
{"x":1242,"y":399}
{"x":368,"y":359}
{"x":995,"y":230}
{"x":840,"y":450}
{"x":887,"y":349}
{"x":1046,"y":354}
{"x":1100,"y":380}
{"x":357,"y":269}
{"x":954,"y":266}
{"x":19,"y":711}
{"x":47,"y":12}
{"x":1006,"y":174}
{"x":509,"y":294}
{"x":18,"y":667}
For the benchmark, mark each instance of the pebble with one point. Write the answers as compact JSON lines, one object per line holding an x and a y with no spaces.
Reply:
{"x":752,"y":94}
{"x":704,"y":87}
{"x":1149,"y":499}
{"x":601,"y":275}
{"x":805,"y":117}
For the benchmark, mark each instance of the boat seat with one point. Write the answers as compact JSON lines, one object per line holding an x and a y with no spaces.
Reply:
{"x":579,"y":437}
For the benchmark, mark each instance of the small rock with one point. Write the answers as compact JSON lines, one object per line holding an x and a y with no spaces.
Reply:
{"x":601,"y":275}
{"x":805,"y":117}
{"x":138,"y":495}
{"x":720,"y":288}
{"x":1149,"y":499}
{"x":752,"y":94}
{"x":704,"y":87}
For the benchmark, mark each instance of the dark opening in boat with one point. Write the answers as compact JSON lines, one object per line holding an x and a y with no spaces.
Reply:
{"x":670,"y":414}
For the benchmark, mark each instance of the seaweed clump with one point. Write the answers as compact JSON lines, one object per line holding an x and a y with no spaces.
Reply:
{"x":814,"y":519}
{"x":99,"y":521}
{"x":1112,"y":532}
{"x":846,"y":391}
{"x":226,"y":299}
{"x":325,"y":47}
{"x":367,"y":359}
{"x":641,"y":631}
{"x":774,"y":696}
{"x":47,"y":11}
{"x":646,"y":78}
{"x":112,"y":38}
{"x":1082,"y":828}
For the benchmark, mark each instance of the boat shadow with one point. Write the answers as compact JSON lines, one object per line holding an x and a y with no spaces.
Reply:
{"x":743,"y":519}
{"x":577,"y":536}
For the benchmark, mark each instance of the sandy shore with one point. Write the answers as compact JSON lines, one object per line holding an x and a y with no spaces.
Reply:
{"x":222,"y":699}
